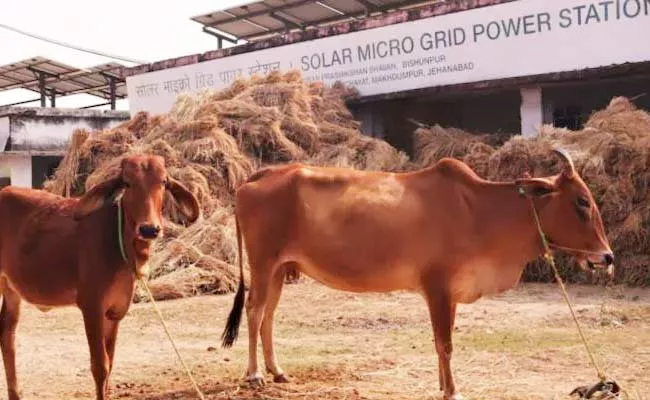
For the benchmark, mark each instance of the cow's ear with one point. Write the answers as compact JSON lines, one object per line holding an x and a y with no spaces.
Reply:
{"x":97,"y":196}
{"x":186,"y":201}
{"x":535,"y":187}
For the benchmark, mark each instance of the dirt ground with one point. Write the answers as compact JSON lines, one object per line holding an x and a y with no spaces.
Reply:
{"x":338,"y":345}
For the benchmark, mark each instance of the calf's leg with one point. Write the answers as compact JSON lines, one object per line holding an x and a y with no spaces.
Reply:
{"x":9,"y":315}
{"x":277,"y":281}
{"x":94,"y":322}
{"x":110,"y":337}
{"x":443,"y":313}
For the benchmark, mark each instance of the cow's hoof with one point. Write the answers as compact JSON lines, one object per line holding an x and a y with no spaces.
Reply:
{"x":14,"y":395}
{"x":280,"y":379}
{"x":256,"y":381}
{"x":455,"y":396}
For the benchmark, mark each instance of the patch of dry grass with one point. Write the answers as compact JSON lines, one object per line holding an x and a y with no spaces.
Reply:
{"x":336,"y":345}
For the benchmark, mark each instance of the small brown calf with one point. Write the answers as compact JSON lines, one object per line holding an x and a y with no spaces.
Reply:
{"x":57,"y":251}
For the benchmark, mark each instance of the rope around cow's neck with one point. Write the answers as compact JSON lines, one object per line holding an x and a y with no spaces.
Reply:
{"x":120,"y":231}
{"x":549,"y":257}
{"x":120,"y":240}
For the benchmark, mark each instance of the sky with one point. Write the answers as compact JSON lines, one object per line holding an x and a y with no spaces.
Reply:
{"x":146,"y":30}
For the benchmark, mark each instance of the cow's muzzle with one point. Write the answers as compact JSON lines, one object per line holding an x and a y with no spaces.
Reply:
{"x":148,"y":232}
{"x":605,"y":261}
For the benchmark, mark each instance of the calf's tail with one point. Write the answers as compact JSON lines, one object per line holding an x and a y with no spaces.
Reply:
{"x":234,"y":319}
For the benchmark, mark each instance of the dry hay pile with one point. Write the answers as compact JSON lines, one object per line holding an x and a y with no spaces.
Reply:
{"x":212,"y":142}
{"x":612,"y":154}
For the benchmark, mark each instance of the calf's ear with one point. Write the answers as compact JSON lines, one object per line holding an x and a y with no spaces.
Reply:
{"x":186,"y":201}
{"x":98,"y":196}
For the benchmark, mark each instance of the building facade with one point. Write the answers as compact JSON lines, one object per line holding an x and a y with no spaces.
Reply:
{"x":481,"y":65}
{"x":34,"y":140}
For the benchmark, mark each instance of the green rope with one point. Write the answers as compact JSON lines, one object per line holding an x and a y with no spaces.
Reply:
{"x":120,"y":233}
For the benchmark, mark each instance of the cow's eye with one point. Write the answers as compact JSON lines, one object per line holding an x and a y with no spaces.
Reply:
{"x":582,"y":208}
{"x":582,"y":202}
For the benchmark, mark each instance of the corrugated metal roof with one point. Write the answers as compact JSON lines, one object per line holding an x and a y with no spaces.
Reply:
{"x":263,"y":19}
{"x":62,"y":79}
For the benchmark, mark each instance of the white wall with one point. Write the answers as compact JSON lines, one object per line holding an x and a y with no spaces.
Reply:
{"x":19,"y":169}
{"x":4,"y":132}
{"x":50,"y":133}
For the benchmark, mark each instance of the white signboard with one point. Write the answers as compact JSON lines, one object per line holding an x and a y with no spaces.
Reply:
{"x":520,"y":38}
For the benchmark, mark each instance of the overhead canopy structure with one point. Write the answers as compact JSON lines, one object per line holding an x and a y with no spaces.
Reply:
{"x":262,"y":19}
{"x":53,"y":79}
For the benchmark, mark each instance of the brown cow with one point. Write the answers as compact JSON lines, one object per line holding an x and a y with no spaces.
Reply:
{"x":441,"y":231}
{"x":57,"y":251}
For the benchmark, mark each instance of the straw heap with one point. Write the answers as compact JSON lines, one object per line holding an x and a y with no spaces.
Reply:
{"x":212,"y":142}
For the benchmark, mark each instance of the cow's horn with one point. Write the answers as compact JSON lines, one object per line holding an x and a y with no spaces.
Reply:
{"x":565,"y":156}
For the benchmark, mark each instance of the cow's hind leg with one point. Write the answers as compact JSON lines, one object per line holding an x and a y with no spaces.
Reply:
{"x":275,"y":290}
{"x":255,"y":305}
{"x":9,"y":315}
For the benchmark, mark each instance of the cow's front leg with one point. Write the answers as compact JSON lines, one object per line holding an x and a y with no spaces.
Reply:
{"x":443,"y":313}
{"x":95,"y":322}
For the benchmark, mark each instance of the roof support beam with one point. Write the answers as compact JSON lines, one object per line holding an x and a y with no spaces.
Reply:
{"x":20,"y":102}
{"x":41,"y":88}
{"x":220,"y":37}
{"x":111,"y":84}
{"x":95,"y":105}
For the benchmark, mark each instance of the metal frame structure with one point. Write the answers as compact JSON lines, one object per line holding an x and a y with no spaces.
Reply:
{"x":264,"y":19}
{"x":53,"y":79}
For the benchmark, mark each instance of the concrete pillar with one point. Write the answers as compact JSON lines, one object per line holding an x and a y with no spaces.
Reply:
{"x":531,"y":111}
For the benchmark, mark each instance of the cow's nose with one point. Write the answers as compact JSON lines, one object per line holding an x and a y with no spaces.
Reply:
{"x":149,"y":231}
{"x":609,"y":259}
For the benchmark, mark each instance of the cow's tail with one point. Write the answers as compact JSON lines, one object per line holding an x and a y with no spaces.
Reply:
{"x":234,"y":319}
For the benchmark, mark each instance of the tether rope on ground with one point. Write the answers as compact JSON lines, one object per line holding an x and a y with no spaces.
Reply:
{"x":171,"y":339}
